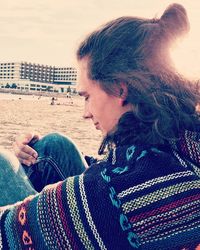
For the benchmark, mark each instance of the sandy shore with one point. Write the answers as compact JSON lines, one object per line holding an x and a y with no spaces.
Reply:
{"x":28,"y":113}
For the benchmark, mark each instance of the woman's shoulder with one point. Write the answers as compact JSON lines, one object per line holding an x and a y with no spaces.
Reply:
{"x":147,"y":183}
{"x":136,"y":158}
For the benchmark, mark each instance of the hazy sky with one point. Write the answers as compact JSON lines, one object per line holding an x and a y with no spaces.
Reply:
{"x":49,"y":31}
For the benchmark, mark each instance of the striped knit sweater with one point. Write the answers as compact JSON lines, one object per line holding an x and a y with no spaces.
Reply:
{"x":138,"y":198}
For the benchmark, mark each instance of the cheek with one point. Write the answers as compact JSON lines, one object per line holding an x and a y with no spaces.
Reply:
{"x":95,"y":106}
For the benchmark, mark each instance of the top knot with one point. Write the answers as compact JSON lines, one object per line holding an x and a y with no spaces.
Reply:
{"x":175,"y":20}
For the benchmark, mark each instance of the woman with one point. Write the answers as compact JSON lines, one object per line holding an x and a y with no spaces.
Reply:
{"x":145,"y":194}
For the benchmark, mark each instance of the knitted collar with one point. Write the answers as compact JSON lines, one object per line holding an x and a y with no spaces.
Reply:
{"x":188,"y":146}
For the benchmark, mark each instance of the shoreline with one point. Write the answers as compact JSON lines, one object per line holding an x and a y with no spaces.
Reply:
{"x":32,"y":93}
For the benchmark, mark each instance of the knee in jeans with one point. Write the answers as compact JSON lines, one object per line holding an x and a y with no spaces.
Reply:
{"x":8,"y":161}
{"x":54,"y":141}
{"x":59,"y":138}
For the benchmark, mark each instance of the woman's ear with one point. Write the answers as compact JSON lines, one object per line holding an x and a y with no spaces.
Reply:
{"x":123,"y":93}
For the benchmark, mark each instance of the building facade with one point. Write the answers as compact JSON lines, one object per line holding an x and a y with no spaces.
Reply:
{"x":37,"y":77}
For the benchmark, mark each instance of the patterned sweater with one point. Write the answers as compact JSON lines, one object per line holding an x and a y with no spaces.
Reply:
{"x":140,"y":197}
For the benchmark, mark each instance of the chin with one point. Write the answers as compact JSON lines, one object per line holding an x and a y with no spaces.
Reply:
{"x":103,"y":133}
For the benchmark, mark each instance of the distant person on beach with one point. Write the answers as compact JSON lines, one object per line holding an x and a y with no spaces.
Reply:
{"x":145,"y":194}
{"x":70,"y":99}
{"x":52,"y":101}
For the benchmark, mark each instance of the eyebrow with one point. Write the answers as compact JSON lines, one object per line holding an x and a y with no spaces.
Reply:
{"x":82,"y":93}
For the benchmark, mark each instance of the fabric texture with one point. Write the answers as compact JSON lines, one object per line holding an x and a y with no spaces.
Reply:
{"x":140,"y":197}
{"x":58,"y":158}
{"x":14,"y":184}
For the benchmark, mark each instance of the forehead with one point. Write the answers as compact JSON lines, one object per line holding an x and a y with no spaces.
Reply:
{"x":84,"y":83}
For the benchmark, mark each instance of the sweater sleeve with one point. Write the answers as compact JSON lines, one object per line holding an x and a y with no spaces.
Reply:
{"x":77,"y":213}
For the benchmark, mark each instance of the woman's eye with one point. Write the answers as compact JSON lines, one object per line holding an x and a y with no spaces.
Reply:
{"x":86,"y":98}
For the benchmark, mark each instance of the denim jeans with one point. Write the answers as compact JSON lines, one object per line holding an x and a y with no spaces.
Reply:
{"x":14,"y":184}
{"x":58,"y":158}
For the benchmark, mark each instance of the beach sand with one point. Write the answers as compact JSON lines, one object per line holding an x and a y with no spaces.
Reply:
{"x":20,"y":113}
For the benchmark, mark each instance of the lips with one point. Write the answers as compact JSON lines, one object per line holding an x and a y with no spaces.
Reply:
{"x":96,"y":124}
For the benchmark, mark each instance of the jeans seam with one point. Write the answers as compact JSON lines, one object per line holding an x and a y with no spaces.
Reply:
{"x":50,"y":160}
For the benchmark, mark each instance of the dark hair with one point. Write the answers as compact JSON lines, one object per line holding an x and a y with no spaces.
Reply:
{"x":136,"y":52}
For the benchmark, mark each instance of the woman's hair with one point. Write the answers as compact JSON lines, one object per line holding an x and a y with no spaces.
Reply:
{"x":136,"y":52}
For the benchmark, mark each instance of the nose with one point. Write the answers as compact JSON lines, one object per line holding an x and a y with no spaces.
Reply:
{"x":87,"y":114}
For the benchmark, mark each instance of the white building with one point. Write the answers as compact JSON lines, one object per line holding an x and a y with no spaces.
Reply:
{"x":65,"y":75}
{"x":37,"y":77}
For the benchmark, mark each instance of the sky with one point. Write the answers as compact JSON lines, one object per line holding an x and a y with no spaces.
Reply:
{"x":49,"y":31}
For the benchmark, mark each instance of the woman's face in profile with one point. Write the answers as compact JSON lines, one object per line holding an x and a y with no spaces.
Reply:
{"x":104,"y":110}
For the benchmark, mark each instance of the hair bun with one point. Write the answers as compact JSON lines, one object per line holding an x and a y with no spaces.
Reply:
{"x":175,"y":20}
